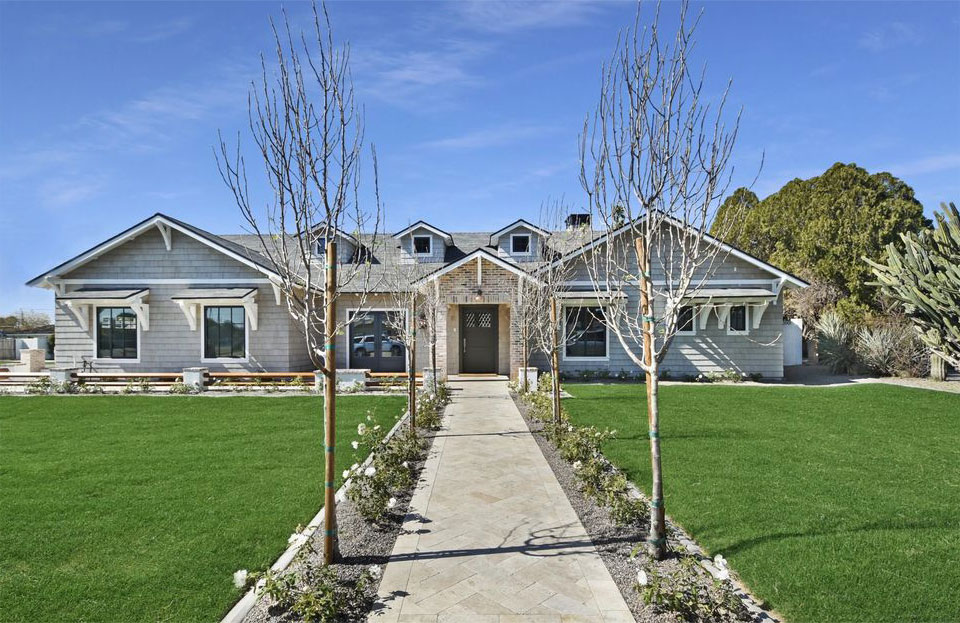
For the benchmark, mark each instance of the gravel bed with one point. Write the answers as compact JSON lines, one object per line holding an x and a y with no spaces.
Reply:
{"x":614,"y":543}
{"x":362,"y":544}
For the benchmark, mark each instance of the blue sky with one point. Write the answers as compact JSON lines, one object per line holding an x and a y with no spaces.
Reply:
{"x":109,"y":111}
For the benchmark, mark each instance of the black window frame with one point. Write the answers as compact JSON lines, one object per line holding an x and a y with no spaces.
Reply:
{"x":111,"y":336}
{"x":529,"y":239}
{"x":746,"y":325}
{"x":584,"y":311}
{"x":216,"y":354}
{"x":429,"y":240}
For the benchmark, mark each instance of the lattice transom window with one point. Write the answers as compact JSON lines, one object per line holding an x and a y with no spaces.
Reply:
{"x":480,"y":320}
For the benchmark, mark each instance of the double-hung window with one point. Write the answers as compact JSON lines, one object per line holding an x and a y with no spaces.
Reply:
{"x":224,"y":333}
{"x":116,"y":333}
{"x":738,"y":320}
{"x":585,"y":334}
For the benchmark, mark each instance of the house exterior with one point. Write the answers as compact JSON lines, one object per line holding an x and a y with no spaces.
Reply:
{"x":164,"y":295}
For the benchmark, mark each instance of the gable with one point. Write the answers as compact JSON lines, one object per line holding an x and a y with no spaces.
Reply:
{"x":146,"y":257}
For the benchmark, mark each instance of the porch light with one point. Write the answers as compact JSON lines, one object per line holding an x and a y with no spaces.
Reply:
{"x":479,"y":295}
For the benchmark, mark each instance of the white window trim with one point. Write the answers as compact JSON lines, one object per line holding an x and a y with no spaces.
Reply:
{"x":353,"y":311}
{"x":96,"y":335}
{"x":413,"y":245}
{"x":693,"y":330}
{"x":746,"y":321}
{"x":529,"y":238}
{"x":606,"y":333}
{"x":203,"y":336}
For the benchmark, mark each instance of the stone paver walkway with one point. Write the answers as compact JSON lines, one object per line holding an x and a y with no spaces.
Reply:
{"x":490,"y":535}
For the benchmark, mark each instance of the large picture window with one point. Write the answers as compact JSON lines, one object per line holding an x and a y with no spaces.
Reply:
{"x":116,"y":333}
{"x":224,"y":333}
{"x":586,"y":335}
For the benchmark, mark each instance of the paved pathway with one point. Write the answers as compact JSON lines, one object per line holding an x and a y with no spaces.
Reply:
{"x":490,"y":535}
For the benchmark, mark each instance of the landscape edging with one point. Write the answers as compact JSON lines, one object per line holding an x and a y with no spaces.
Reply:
{"x":242,"y":608}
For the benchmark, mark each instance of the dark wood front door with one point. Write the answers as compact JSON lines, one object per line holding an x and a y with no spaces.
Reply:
{"x":478,"y":339}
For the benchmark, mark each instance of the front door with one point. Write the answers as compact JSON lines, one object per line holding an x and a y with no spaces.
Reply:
{"x":478,"y":339}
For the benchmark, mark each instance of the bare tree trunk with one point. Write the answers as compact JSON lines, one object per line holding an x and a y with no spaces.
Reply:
{"x":657,"y":539}
{"x":412,"y":372}
{"x":555,"y":361}
{"x":526,"y":358}
{"x":330,"y":546}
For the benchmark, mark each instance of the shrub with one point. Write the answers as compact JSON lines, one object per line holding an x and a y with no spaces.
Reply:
{"x":373,"y":487}
{"x":317,"y":594}
{"x":691,"y":593}
{"x":836,"y":343}
{"x":430,"y":406}
{"x":891,"y":347}
{"x":183,"y":388}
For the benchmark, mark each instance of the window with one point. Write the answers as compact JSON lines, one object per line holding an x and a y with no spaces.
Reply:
{"x":224,"y":333}
{"x":423,"y":245}
{"x":116,"y":333}
{"x":685,"y":321}
{"x":520,"y":244}
{"x":585,"y":334}
{"x":321,"y":246}
{"x":738,"y":319}
{"x":375,"y":342}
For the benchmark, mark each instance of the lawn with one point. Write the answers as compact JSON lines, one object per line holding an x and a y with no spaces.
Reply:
{"x":833,"y":504}
{"x":141,"y":508}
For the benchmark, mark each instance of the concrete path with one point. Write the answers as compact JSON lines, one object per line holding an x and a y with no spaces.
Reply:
{"x":490,"y":535}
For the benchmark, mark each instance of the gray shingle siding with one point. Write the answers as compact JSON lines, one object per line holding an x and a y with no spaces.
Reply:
{"x":169,"y":344}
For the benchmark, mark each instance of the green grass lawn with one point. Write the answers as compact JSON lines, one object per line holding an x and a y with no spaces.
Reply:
{"x":123,"y":508}
{"x":833,"y":504}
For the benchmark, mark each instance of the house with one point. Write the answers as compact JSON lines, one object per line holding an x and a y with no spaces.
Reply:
{"x":164,"y":295}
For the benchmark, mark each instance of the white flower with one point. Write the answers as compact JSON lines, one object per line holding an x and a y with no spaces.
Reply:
{"x":569,"y":429}
{"x":355,"y":444}
{"x":377,"y":427}
{"x":406,"y":465}
{"x":374,"y":571}
{"x":724,"y":574}
{"x":720,"y":561}
{"x":346,"y":474}
{"x":391,"y":502}
{"x":361,"y":428}
{"x":369,"y":417}
{"x":642,"y":578}
{"x":370,"y":471}
{"x":577,"y":465}
{"x":240,"y":578}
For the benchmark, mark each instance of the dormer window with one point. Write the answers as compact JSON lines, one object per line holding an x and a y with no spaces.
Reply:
{"x":423,"y":245}
{"x":321,"y":246}
{"x":520,"y":244}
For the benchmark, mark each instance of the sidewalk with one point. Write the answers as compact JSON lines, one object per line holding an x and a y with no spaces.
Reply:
{"x":490,"y":535}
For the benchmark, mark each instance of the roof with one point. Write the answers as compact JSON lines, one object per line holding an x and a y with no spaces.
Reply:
{"x":193,"y":294}
{"x":495,"y":236}
{"x":424,"y":225}
{"x":384,"y":251}
{"x":98,"y":295}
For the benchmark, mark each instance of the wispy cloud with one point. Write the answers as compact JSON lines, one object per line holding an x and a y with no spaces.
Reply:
{"x":490,"y":137}
{"x":503,"y":16}
{"x":420,"y":77}
{"x":893,"y":35}
{"x":64,"y":193}
{"x":925,"y":165}
{"x":124,"y":30}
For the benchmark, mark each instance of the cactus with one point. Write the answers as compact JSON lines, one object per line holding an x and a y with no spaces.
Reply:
{"x":924,"y":276}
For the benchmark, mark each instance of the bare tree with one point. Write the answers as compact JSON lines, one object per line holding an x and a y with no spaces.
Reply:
{"x":554,"y":275}
{"x":526,"y":316}
{"x":417,"y":302}
{"x":309,"y":132}
{"x":655,"y":164}
{"x":430,"y":309}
